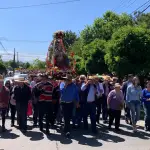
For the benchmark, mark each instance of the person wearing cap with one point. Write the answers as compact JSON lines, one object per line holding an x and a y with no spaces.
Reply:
{"x":115,"y":104}
{"x":90,"y":91}
{"x":22,"y":94}
{"x":4,"y":100}
{"x":69,"y":96}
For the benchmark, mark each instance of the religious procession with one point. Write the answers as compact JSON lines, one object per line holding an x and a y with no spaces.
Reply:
{"x":60,"y":96}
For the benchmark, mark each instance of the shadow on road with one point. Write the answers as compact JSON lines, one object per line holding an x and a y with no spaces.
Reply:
{"x":84,"y":137}
{"x":34,"y":135}
{"x":8,"y":135}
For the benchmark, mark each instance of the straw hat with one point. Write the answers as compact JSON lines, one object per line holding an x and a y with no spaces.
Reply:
{"x":117,"y":85}
{"x":21,"y":79}
{"x":68,"y":77}
{"x":90,"y":78}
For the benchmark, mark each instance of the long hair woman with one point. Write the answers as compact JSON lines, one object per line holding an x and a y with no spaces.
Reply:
{"x":133,"y":97}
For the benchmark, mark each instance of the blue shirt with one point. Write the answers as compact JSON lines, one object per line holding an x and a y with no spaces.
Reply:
{"x":69,"y":93}
{"x":133,"y":93}
{"x":146,"y":95}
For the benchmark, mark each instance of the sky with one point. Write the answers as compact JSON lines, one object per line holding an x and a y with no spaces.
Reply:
{"x":39,"y":23}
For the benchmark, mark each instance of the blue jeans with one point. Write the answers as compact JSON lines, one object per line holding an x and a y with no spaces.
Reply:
{"x":134,"y":110}
{"x":147,"y":114}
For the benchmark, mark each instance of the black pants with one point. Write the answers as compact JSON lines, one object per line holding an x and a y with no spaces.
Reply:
{"x":3,"y":114}
{"x":35,"y":113}
{"x":68,"y":111}
{"x":55,"y":112}
{"x":114,"y":114}
{"x":22,"y":115}
{"x":45,"y":108}
{"x":147,"y":114}
{"x":13,"y":113}
{"x":101,"y":104}
{"x":90,"y":109}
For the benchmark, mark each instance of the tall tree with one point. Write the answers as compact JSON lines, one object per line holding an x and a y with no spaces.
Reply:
{"x":129,"y":51}
{"x":93,"y":56}
{"x":69,"y":39}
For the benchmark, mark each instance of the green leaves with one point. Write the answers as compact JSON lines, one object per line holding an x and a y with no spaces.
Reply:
{"x":129,"y":51}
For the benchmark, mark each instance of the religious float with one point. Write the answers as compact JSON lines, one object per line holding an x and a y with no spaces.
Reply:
{"x":59,"y":62}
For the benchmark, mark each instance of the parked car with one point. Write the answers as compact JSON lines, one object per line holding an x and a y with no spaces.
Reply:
{"x":21,"y":76}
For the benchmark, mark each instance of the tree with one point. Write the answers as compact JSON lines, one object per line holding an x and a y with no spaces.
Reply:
{"x":2,"y":68}
{"x":104,"y":27}
{"x":143,"y":20}
{"x":11,"y":64}
{"x":77,"y":47}
{"x":69,"y":39}
{"x":94,"y":57}
{"x":129,"y":51}
{"x":87,"y":35}
{"x":38,"y":64}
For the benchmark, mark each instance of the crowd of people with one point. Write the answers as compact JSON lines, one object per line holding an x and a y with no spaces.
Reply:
{"x":73,"y":100}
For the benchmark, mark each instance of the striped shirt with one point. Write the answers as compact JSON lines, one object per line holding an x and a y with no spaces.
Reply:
{"x":46,"y":91}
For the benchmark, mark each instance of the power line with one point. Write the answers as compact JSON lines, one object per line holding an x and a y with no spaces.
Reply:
{"x":140,"y":7}
{"x":26,"y":41}
{"x":131,"y":3}
{"x":21,"y":55}
{"x":38,"y":5}
{"x":3,"y":47}
{"x":123,"y":4}
{"x":145,"y":9}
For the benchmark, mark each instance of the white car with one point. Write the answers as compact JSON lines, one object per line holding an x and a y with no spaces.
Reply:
{"x":25,"y":76}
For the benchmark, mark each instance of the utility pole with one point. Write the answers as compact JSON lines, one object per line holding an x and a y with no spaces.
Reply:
{"x":17,"y":60}
{"x":14,"y":61}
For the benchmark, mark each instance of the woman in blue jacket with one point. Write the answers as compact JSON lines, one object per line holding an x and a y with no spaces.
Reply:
{"x":146,"y":105}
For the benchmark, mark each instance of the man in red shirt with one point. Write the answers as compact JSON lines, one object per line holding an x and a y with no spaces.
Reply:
{"x":4,"y":99}
{"x":45,"y":92}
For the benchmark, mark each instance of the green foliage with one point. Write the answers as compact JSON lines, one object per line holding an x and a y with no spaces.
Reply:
{"x":38,"y":64}
{"x":104,"y":27}
{"x":2,"y":67}
{"x":11,"y":64}
{"x":69,"y":39}
{"x":129,"y":51}
{"x":77,"y":47}
{"x":94,"y":57}
{"x":144,"y":20}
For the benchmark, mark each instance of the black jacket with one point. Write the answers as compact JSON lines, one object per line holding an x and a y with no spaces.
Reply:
{"x":124,"y":89}
{"x":22,"y":94}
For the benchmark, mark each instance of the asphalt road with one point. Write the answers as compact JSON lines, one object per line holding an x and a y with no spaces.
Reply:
{"x":13,"y":139}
